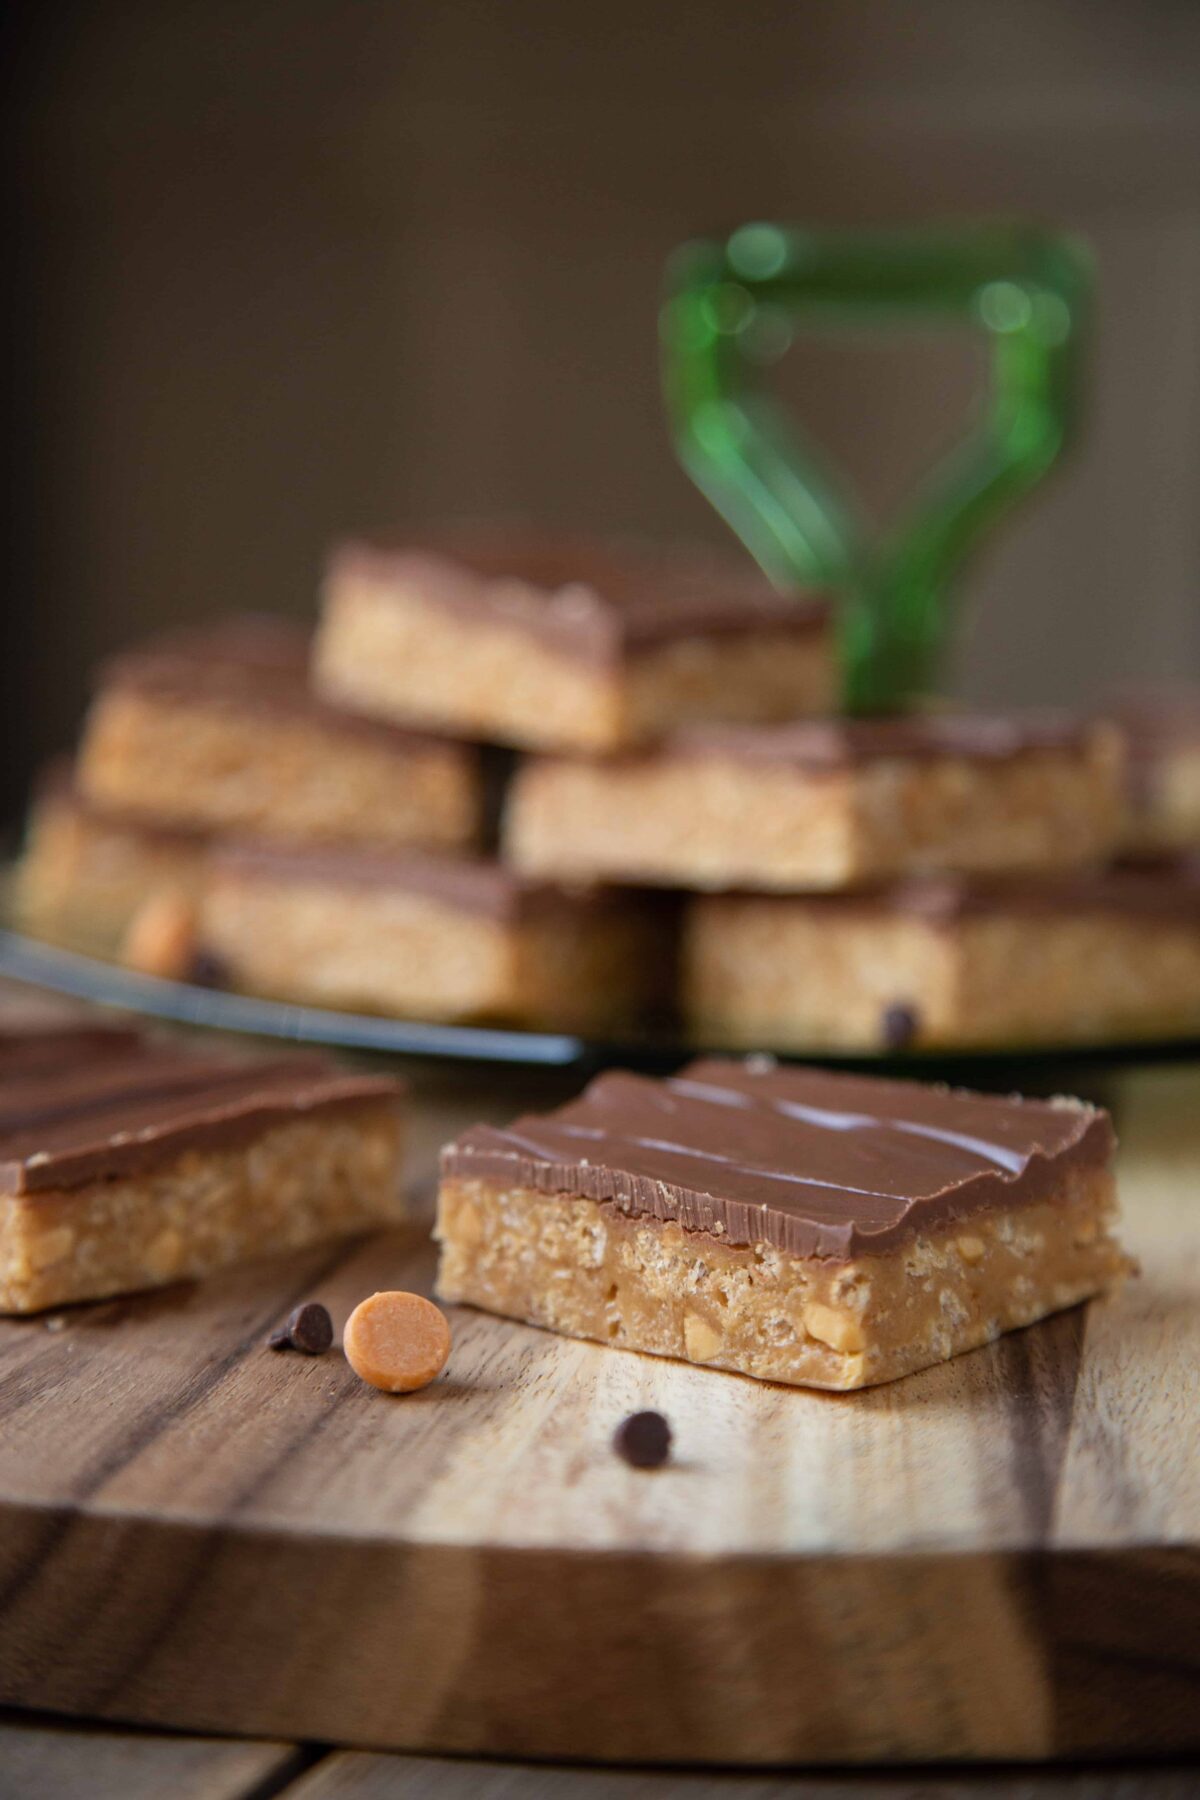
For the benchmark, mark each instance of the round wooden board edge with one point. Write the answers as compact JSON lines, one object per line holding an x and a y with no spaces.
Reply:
{"x":601,"y":1656}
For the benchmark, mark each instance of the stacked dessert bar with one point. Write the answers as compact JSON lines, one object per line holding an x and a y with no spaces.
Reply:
{"x":941,"y":879}
{"x":307,"y":820}
{"x":314,"y":809}
{"x":685,"y":812}
{"x":215,"y":732}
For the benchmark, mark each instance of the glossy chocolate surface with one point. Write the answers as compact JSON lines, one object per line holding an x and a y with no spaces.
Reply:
{"x":585,"y":599}
{"x":28,"y":1049}
{"x":1166,"y":888}
{"x":821,"y":744}
{"x":108,"y":1105}
{"x":817,"y":1164}
{"x":248,"y":662}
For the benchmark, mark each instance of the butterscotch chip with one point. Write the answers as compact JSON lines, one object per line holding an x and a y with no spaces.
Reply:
{"x":161,"y":939}
{"x":550,"y":641}
{"x":398,"y":1342}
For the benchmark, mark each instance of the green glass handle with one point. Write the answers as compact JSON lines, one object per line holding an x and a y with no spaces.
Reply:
{"x":731,"y":308}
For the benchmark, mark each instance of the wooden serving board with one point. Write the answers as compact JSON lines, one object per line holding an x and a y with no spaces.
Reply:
{"x":997,"y":1558}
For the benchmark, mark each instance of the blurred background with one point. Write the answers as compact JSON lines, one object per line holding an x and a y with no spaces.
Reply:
{"x":282,"y":268}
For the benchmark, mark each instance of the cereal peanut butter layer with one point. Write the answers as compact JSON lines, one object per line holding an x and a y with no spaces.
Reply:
{"x":217,"y":729}
{"x":437,"y":937}
{"x":550,"y":641}
{"x":826,"y":804}
{"x":949,"y":961}
{"x":825,"y":1230}
{"x":126,"y":1162}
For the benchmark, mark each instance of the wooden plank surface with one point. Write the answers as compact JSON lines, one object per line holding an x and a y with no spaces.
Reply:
{"x":996,"y":1558}
{"x":39,"y":1761}
{"x":84,"y":1762}
{"x":357,"y":1776}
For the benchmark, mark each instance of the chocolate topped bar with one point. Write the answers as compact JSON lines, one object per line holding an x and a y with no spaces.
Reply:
{"x":584,"y":599}
{"x":252,"y":659}
{"x":57,"y":784}
{"x":818,"y":1165}
{"x":113,"y":1104}
{"x":844,"y":743}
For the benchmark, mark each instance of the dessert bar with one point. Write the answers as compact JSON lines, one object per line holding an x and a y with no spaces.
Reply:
{"x":824,"y":1230}
{"x":947,"y":961}
{"x":216,"y":729}
{"x":539,"y":641}
{"x":824,"y":804}
{"x":85,"y":871}
{"x":431,"y":937}
{"x":127,"y":1162}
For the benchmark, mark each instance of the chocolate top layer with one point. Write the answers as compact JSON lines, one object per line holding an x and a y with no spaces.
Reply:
{"x":250,"y":650}
{"x":816,"y":1164}
{"x":252,"y":661}
{"x":28,"y":1049}
{"x":1166,"y":888}
{"x":103,"y":1110}
{"x":821,"y":744}
{"x":473,"y":884}
{"x":582,"y":598}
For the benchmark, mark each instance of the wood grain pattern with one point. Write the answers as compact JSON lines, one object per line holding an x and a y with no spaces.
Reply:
{"x":997,"y":1558}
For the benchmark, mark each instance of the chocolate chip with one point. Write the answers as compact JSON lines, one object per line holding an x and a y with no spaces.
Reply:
{"x":208,"y":970}
{"x":309,"y":1328}
{"x":643,"y":1439}
{"x":900,"y":1026}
